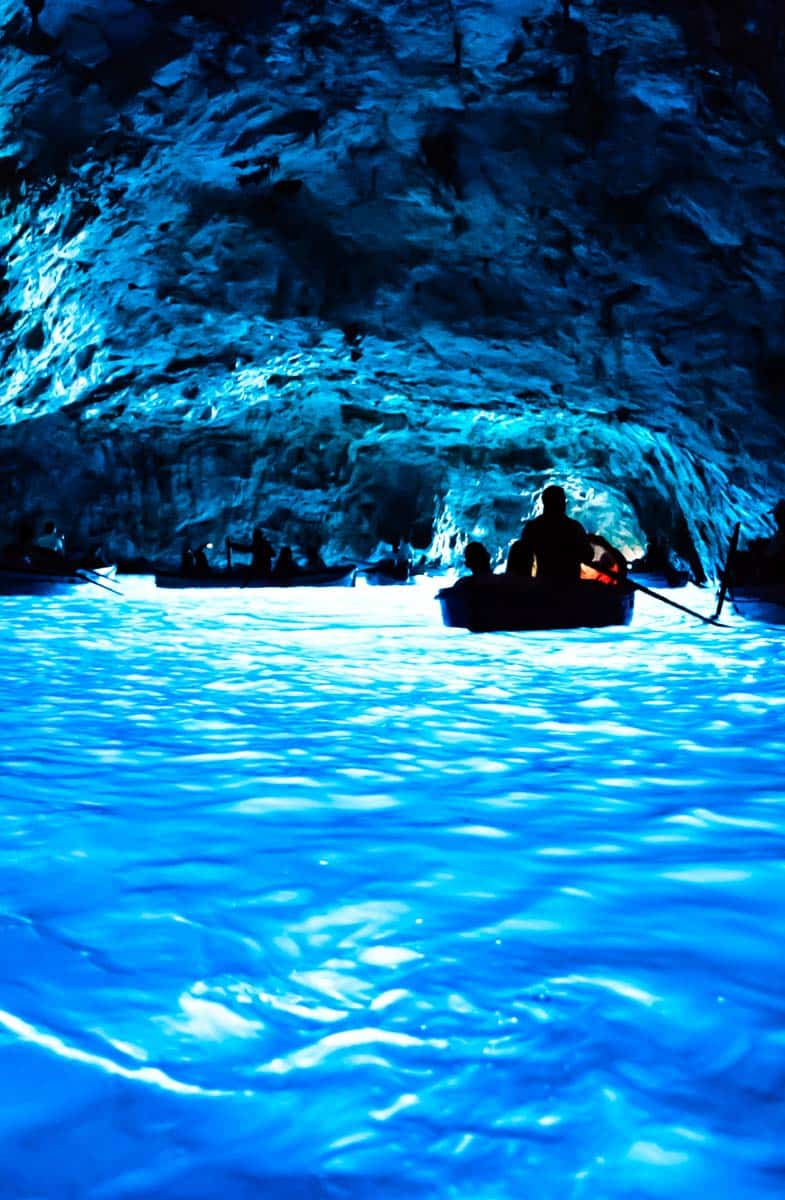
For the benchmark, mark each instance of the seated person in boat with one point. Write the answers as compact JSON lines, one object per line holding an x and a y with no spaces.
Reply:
{"x":51,"y":539}
{"x":201,"y":565}
{"x":659,"y":560}
{"x":401,"y":551}
{"x":395,"y":563}
{"x":478,"y":560}
{"x":262,"y":554}
{"x":260,"y":550}
{"x":313,"y":558}
{"x":553,"y":541}
{"x":285,"y":566}
{"x":187,"y":562}
{"x":48,"y":550}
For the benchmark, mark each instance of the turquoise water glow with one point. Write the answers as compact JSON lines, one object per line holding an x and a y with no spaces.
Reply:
{"x":306,"y":896}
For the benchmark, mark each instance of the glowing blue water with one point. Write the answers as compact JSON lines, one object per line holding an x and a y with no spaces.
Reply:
{"x":305,"y":896}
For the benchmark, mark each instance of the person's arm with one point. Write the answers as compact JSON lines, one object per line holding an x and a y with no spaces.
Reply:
{"x":587,"y":548}
{"x":520,"y":560}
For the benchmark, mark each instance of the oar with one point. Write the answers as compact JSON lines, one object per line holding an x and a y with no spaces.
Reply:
{"x":639,"y":587}
{"x":82,"y":573}
{"x":726,"y":570}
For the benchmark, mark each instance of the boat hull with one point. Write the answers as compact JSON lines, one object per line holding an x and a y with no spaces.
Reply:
{"x":340,"y":576}
{"x":27,"y":581}
{"x":504,"y":603}
{"x":387,"y":572}
{"x":658,"y":581}
{"x":761,"y":602}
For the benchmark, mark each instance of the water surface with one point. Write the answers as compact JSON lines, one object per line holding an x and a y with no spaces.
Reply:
{"x":307,"y":896}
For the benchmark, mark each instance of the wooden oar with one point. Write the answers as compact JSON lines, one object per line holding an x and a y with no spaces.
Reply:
{"x":639,"y":587}
{"x":84,"y":573}
{"x":726,"y":570}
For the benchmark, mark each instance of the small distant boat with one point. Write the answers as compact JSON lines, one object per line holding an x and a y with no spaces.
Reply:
{"x":498,"y":603}
{"x":754,"y":584}
{"x":760,"y":602}
{"x":21,"y":580}
{"x":660,"y":579}
{"x":341,"y":575}
{"x":387,"y":571}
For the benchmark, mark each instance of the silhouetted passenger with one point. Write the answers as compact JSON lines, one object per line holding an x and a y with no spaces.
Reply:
{"x":658,"y":559}
{"x":262,"y":554}
{"x":313,"y":558}
{"x":402,"y":551}
{"x":187,"y":560}
{"x":554,"y":542}
{"x":51,"y":539}
{"x":478,"y":560}
{"x":201,"y":565}
{"x":285,"y":564}
{"x":96,"y":558}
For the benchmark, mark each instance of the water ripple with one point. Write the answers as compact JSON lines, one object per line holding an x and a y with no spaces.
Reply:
{"x":308,"y":896}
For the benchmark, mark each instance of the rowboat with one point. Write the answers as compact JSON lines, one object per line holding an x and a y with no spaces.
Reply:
{"x":657,"y":579}
{"x":760,"y":602}
{"x":22,"y":580}
{"x":387,"y":571}
{"x":494,"y":603}
{"x":341,"y":575}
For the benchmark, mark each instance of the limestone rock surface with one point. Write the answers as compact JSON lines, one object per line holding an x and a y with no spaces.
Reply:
{"x":359,"y":268}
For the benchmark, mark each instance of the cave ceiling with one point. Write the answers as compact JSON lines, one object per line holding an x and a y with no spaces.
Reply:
{"x":359,"y":268}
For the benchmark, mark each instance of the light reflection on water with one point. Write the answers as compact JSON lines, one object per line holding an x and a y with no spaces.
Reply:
{"x":308,"y":896}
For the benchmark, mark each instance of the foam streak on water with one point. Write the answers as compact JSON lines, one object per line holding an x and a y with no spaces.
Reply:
{"x":306,"y":896}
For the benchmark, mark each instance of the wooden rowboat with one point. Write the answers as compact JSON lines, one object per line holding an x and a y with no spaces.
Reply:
{"x":760,"y":602}
{"x":338,"y":576}
{"x":22,"y":580}
{"x":508,"y":602}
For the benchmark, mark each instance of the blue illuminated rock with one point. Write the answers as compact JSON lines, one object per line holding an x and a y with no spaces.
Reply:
{"x":360,"y":268}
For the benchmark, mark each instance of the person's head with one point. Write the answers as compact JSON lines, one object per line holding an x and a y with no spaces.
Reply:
{"x":49,"y":526}
{"x":779,"y":513}
{"x":477,"y":559}
{"x":554,"y":501}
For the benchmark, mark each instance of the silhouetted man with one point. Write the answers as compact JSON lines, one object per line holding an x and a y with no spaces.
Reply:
{"x":478,"y":560}
{"x":262,"y":554}
{"x":554,"y":541}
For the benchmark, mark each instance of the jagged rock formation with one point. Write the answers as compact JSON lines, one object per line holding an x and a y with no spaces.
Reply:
{"x":353,"y":267}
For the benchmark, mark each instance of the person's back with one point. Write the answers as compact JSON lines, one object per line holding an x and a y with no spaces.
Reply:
{"x":555,"y":542}
{"x":201,"y":563}
{"x":285,"y":564}
{"x":313,"y":558}
{"x":478,"y":560}
{"x":51,"y":539}
{"x":262,"y":554}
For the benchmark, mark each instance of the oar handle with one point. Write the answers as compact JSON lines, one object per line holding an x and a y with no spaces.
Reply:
{"x":727,"y":569}
{"x":639,"y":587}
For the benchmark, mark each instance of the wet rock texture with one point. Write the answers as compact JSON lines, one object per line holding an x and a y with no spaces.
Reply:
{"x":358,"y":269}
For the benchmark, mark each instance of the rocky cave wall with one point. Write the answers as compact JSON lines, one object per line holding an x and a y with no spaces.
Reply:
{"x":357,"y":269}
